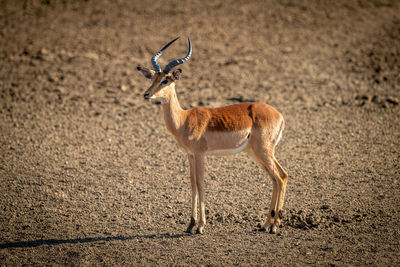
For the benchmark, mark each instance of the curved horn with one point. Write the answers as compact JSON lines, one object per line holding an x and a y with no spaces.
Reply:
{"x":157,"y":67}
{"x":177,"y":62}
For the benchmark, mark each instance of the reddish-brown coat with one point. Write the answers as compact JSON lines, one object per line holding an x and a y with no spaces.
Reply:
{"x":231,"y":118}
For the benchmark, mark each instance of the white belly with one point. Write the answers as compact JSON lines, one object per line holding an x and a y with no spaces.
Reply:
{"x":228,"y":151}
{"x":227,"y":143}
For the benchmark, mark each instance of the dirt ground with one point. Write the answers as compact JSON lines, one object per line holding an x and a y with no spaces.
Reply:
{"x":91,"y":176}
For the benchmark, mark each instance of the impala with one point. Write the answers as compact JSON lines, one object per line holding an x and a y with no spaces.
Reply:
{"x":253,"y":127}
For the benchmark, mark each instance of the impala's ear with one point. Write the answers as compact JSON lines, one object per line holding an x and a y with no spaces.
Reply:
{"x":176,"y":74}
{"x":149,"y":74}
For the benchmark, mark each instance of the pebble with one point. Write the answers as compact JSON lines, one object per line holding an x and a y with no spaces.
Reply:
{"x":392,"y":100}
{"x":287,"y":50}
{"x":123,"y":87}
{"x":92,"y":55}
{"x":325,"y":207}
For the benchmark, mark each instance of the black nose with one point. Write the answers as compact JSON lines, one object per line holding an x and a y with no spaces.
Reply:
{"x":146,"y":96}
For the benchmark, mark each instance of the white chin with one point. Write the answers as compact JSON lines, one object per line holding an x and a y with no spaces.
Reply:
{"x":160,"y":100}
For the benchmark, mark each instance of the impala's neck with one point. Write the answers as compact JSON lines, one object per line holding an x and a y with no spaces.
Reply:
{"x":174,"y":115}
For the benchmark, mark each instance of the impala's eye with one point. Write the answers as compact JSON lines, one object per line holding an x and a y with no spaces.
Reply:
{"x":164,"y":81}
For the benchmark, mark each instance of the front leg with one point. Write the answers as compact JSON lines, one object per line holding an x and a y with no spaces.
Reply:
{"x":199,"y":173}
{"x":193,"y":219}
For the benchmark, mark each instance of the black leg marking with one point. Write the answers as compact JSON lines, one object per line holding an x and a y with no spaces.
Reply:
{"x":272,"y":213}
{"x":270,"y":230}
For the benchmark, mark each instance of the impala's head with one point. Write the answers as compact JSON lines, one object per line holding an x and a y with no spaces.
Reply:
{"x":163,"y":82}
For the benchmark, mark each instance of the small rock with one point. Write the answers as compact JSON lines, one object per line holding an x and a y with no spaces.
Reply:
{"x":123,"y":87}
{"x":219,"y":217}
{"x":300,"y":225}
{"x":287,"y":50}
{"x":336,"y":218}
{"x":325,"y":207}
{"x":312,"y":220}
{"x":357,"y":217}
{"x":364,"y":98}
{"x":344,"y":221}
{"x":392,"y":100}
{"x":376,"y":99}
{"x":92,"y":55}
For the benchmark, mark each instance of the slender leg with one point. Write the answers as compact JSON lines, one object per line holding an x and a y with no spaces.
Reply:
{"x":268,"y":164}
{"x":272,"y":212}
{"x":199,"y":172}
{"x":264,"y":154}
{"x":193,"y":219}
{"x":281,"y":178}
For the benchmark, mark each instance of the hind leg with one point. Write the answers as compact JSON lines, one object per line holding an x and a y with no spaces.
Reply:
{"x":264,"y":154}
{"x":273,"y":219}
{"x":271,"y":213}
{"x":281,"y":178}
{"x":261,"y":156}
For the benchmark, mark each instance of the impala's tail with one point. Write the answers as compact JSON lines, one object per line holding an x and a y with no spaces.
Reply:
{"x":280,"y":132}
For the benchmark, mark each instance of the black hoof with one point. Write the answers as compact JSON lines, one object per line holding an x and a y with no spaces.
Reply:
{"x":200,"y":231}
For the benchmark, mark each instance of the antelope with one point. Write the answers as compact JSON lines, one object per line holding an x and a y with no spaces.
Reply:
{"x":252,"y":127}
